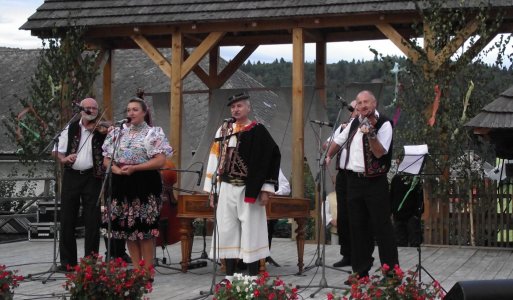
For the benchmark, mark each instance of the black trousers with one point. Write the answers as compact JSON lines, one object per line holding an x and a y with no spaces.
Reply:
{"x":343,"y":229}
{"x":79,"y":189}
{"x":270,"y":230}
{"x":369,"y":205}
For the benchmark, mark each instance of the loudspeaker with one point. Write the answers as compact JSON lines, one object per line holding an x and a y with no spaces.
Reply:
{"x":500,"y":289}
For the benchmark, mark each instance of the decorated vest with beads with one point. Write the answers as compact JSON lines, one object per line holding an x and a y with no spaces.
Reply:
{"x":74,"y":133}
{"x":373,"y":166}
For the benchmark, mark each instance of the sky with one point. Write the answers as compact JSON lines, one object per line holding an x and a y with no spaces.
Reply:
{"x":14,"y":13}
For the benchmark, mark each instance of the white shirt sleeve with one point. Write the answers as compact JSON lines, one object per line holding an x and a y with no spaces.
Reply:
{"x":63,"y":142}
{"x":283,"y":185}
{"x":342,"y":137}
{"x":385,"y":135}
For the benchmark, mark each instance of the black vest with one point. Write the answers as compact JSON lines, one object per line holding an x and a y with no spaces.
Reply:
{"x":74,"y":133}
{"x":373,"y":166}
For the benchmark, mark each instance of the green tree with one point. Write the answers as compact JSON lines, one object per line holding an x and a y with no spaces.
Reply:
{"x":65,"y":73}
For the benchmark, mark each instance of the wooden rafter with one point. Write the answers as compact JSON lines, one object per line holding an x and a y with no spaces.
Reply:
{"x":208,"y":43}
{"x":429,"y":42}
{"x":153,"y":53}
{"x":245,"y":26}
{"x":476,"y":47}
{"x":461,"y":36}
{"x":198,"y":70}
{"x":401,"y":43}
{"x":234,"y":64}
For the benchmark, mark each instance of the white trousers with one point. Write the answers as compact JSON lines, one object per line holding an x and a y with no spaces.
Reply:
{"x":241,"y":227}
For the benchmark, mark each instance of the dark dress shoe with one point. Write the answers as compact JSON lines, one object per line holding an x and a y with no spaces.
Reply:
{"x":344,"y":262}
{"x":271,"y":261}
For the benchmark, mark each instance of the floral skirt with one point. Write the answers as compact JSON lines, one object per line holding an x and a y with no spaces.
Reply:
{"x":135,"y":208}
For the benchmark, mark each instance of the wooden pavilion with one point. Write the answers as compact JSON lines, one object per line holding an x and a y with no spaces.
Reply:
{"x":205,"y":26}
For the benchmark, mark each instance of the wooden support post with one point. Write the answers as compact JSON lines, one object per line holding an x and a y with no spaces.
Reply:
{"x":175,"y":107}
{"x":298,"y":60}
{"x":320,"y":71}
{"x":107,"y":86}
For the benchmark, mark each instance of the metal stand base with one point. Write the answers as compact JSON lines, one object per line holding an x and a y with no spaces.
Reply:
{"x":419,"y":268}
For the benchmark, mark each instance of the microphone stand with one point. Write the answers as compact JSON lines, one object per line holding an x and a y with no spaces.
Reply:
{"x":321,"y":259}
{"x":108,"y":177}
{"x":215,"y":194}
{"x":56,"y":228}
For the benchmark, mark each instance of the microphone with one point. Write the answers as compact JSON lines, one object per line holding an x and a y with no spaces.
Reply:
{"x":123,"y":121}
{"x":329,"y":124}
{"x":200,"y":174}
{"x":80,"y":108}
{"x":341,"y":100}
{"x":229,"y":120}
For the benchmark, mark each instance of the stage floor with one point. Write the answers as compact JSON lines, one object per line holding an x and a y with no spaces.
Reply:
{"x":446,"y":264}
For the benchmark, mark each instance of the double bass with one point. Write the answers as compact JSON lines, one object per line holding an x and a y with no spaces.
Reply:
{"x":169,"y":222}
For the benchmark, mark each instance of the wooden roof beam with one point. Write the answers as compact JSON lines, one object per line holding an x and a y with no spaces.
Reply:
{"x":208,"y":43}
{"x":401,"y":43}
{"x":477,"y":47}
{"x":198,"y":70}
{"x":461,"y":36}
{"x":261,"y":25}
{"x":153,"y":53}
{"x":234,"y":64}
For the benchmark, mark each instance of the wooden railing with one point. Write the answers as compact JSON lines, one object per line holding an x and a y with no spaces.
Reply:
{"x":477,"y":217}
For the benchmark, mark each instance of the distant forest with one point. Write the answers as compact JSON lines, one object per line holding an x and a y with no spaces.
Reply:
{"x":342,"y":73}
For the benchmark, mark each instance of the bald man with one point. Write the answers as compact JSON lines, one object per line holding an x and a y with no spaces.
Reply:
{"x":368,"y":142}
{"x":80,"y":152}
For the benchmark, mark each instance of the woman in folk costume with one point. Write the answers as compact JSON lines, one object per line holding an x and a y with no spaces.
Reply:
{"x":136,"y":182}
{"x":246,"y":161}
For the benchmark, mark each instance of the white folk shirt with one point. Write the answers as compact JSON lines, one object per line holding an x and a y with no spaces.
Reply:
{"x":84,"y":159}
{"x":342,"y":161}
{"x":356,"y":161}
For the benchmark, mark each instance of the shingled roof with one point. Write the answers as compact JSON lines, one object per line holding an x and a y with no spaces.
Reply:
{"x":132,"y":70}
{"x":332,"y":20}
{"x":498,"y":114}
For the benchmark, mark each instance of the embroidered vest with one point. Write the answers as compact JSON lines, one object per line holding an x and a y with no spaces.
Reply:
{"x":74,"y":133}
{"x":373,"y":166}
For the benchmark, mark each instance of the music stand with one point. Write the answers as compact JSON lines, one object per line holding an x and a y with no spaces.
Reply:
{"x":413,"y":164}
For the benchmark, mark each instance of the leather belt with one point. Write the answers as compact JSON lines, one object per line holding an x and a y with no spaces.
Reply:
{"x":81,"y":172}
{"x":357,"y":174}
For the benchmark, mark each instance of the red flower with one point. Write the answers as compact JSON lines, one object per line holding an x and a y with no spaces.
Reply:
{"x":385,"y":268}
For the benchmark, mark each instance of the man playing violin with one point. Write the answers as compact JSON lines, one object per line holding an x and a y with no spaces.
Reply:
{"x":80,"y":151}
{"x":368,"y":142}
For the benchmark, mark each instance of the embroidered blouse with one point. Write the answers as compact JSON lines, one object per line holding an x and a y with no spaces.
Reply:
{"x":138,"y":144}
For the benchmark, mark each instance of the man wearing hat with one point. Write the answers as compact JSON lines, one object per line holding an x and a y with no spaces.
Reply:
{"x":245,"y":160}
